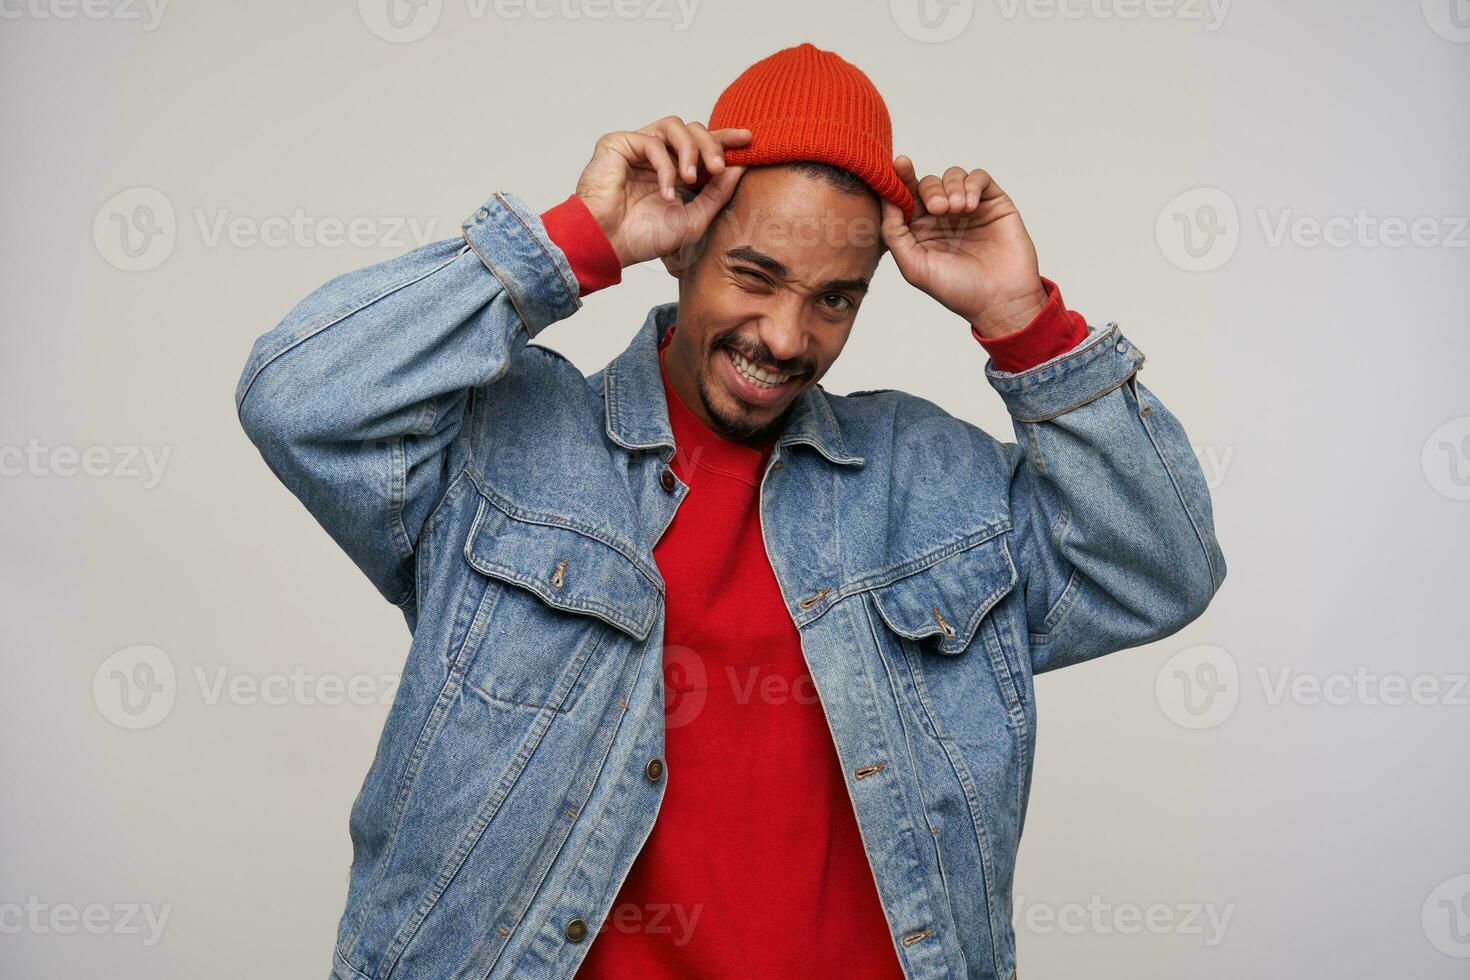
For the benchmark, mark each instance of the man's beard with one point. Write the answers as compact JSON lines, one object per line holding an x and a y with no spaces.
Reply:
{"x":735,"y":428}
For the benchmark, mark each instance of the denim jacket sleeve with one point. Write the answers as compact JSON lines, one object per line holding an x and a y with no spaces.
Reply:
{"x":1112,"y":515}
{"x":356,"y":399}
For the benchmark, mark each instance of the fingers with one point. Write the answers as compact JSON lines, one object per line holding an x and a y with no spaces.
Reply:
{"x":693,"y":144}
{"x":954,"y":187}
{"x":978,"y":186}
{"x":650,"y":150}
{"x":956,"y":191}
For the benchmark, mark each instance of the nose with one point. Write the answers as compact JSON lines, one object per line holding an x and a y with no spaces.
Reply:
{"x":784,"y":336}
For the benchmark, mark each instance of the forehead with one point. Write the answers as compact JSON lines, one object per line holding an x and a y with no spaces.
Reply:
{"x":815,"y":229}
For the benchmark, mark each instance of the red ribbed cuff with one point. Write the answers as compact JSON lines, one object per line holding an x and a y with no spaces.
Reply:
{"x":572,"y":229}
{"x":1053,"y":330}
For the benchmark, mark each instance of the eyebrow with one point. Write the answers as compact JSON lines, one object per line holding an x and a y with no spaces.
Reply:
{"x":745,"y":253}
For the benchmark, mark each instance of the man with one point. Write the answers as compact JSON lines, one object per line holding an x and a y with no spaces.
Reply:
{"x":714,"y":673}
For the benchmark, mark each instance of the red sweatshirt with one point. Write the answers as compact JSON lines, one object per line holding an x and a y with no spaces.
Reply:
{"x":755,"y":866}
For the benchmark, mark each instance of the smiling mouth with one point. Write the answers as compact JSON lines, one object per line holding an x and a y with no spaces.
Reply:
{"x":758,"y":376}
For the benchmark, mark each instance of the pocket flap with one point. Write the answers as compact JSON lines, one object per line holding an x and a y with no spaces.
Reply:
{"x":566,"y":568}
{"x":949,"y":598}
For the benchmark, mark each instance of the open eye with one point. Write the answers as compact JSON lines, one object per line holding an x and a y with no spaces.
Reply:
{"x":844,"y":302}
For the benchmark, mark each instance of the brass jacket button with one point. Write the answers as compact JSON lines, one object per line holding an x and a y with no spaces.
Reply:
{"x":666,"y":480}
{"x":654,"y":771}
{"x":576,"y":931}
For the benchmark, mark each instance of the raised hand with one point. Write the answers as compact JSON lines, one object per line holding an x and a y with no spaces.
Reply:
{"x":966,"y":246}
{"x":633,"y":186}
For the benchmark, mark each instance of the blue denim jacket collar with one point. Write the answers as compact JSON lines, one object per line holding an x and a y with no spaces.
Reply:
{"x":638,"y":415}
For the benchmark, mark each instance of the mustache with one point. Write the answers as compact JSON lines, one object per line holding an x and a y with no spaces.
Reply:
{"x":761,"y":354}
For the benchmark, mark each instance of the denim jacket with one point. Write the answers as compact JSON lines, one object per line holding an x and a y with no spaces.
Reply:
{"x":509,"y":505}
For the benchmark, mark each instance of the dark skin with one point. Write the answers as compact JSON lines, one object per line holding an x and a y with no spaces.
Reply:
{"x":778,"y":279}
{"x":770,"y":279}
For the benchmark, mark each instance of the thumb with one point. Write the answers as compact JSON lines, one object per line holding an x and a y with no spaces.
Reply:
{"x":900,"y":239}
{"x":715,"y":194}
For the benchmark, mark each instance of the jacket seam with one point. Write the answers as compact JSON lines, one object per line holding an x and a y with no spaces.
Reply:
{"x":1183,"y":503}
{"x":331,"y":320}
{"x":1090,"y":398}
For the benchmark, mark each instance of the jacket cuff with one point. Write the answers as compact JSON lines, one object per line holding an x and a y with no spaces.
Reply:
{"x":1104,"y":361}
{"x":512,"y":243}
{"x":1054,"y":330}
{"x":576,"y":232}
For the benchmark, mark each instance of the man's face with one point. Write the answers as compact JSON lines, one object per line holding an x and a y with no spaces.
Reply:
{"x":768,"y":303}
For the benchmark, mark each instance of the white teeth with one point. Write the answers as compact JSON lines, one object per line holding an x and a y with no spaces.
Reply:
{"x":760,"y":377}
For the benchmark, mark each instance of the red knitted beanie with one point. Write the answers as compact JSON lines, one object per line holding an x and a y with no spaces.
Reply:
{"x":803,"y":103}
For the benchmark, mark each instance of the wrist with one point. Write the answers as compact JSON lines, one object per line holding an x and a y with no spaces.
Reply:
{"x":608,"y":224}
{"x":1010,"y":313}
{"x":574,"y":229}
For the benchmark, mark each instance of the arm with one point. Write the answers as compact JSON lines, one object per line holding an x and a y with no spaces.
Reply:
{"x":356,"y":399}
{"x":1112,"y":517}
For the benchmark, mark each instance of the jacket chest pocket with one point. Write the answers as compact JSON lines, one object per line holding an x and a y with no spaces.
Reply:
{"x":967,"y":670}
{"x":557,"y":605}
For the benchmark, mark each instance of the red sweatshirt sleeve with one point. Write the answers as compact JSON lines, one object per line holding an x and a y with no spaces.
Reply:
{"x":571,"y":227}
{"x":1054,"y":330}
